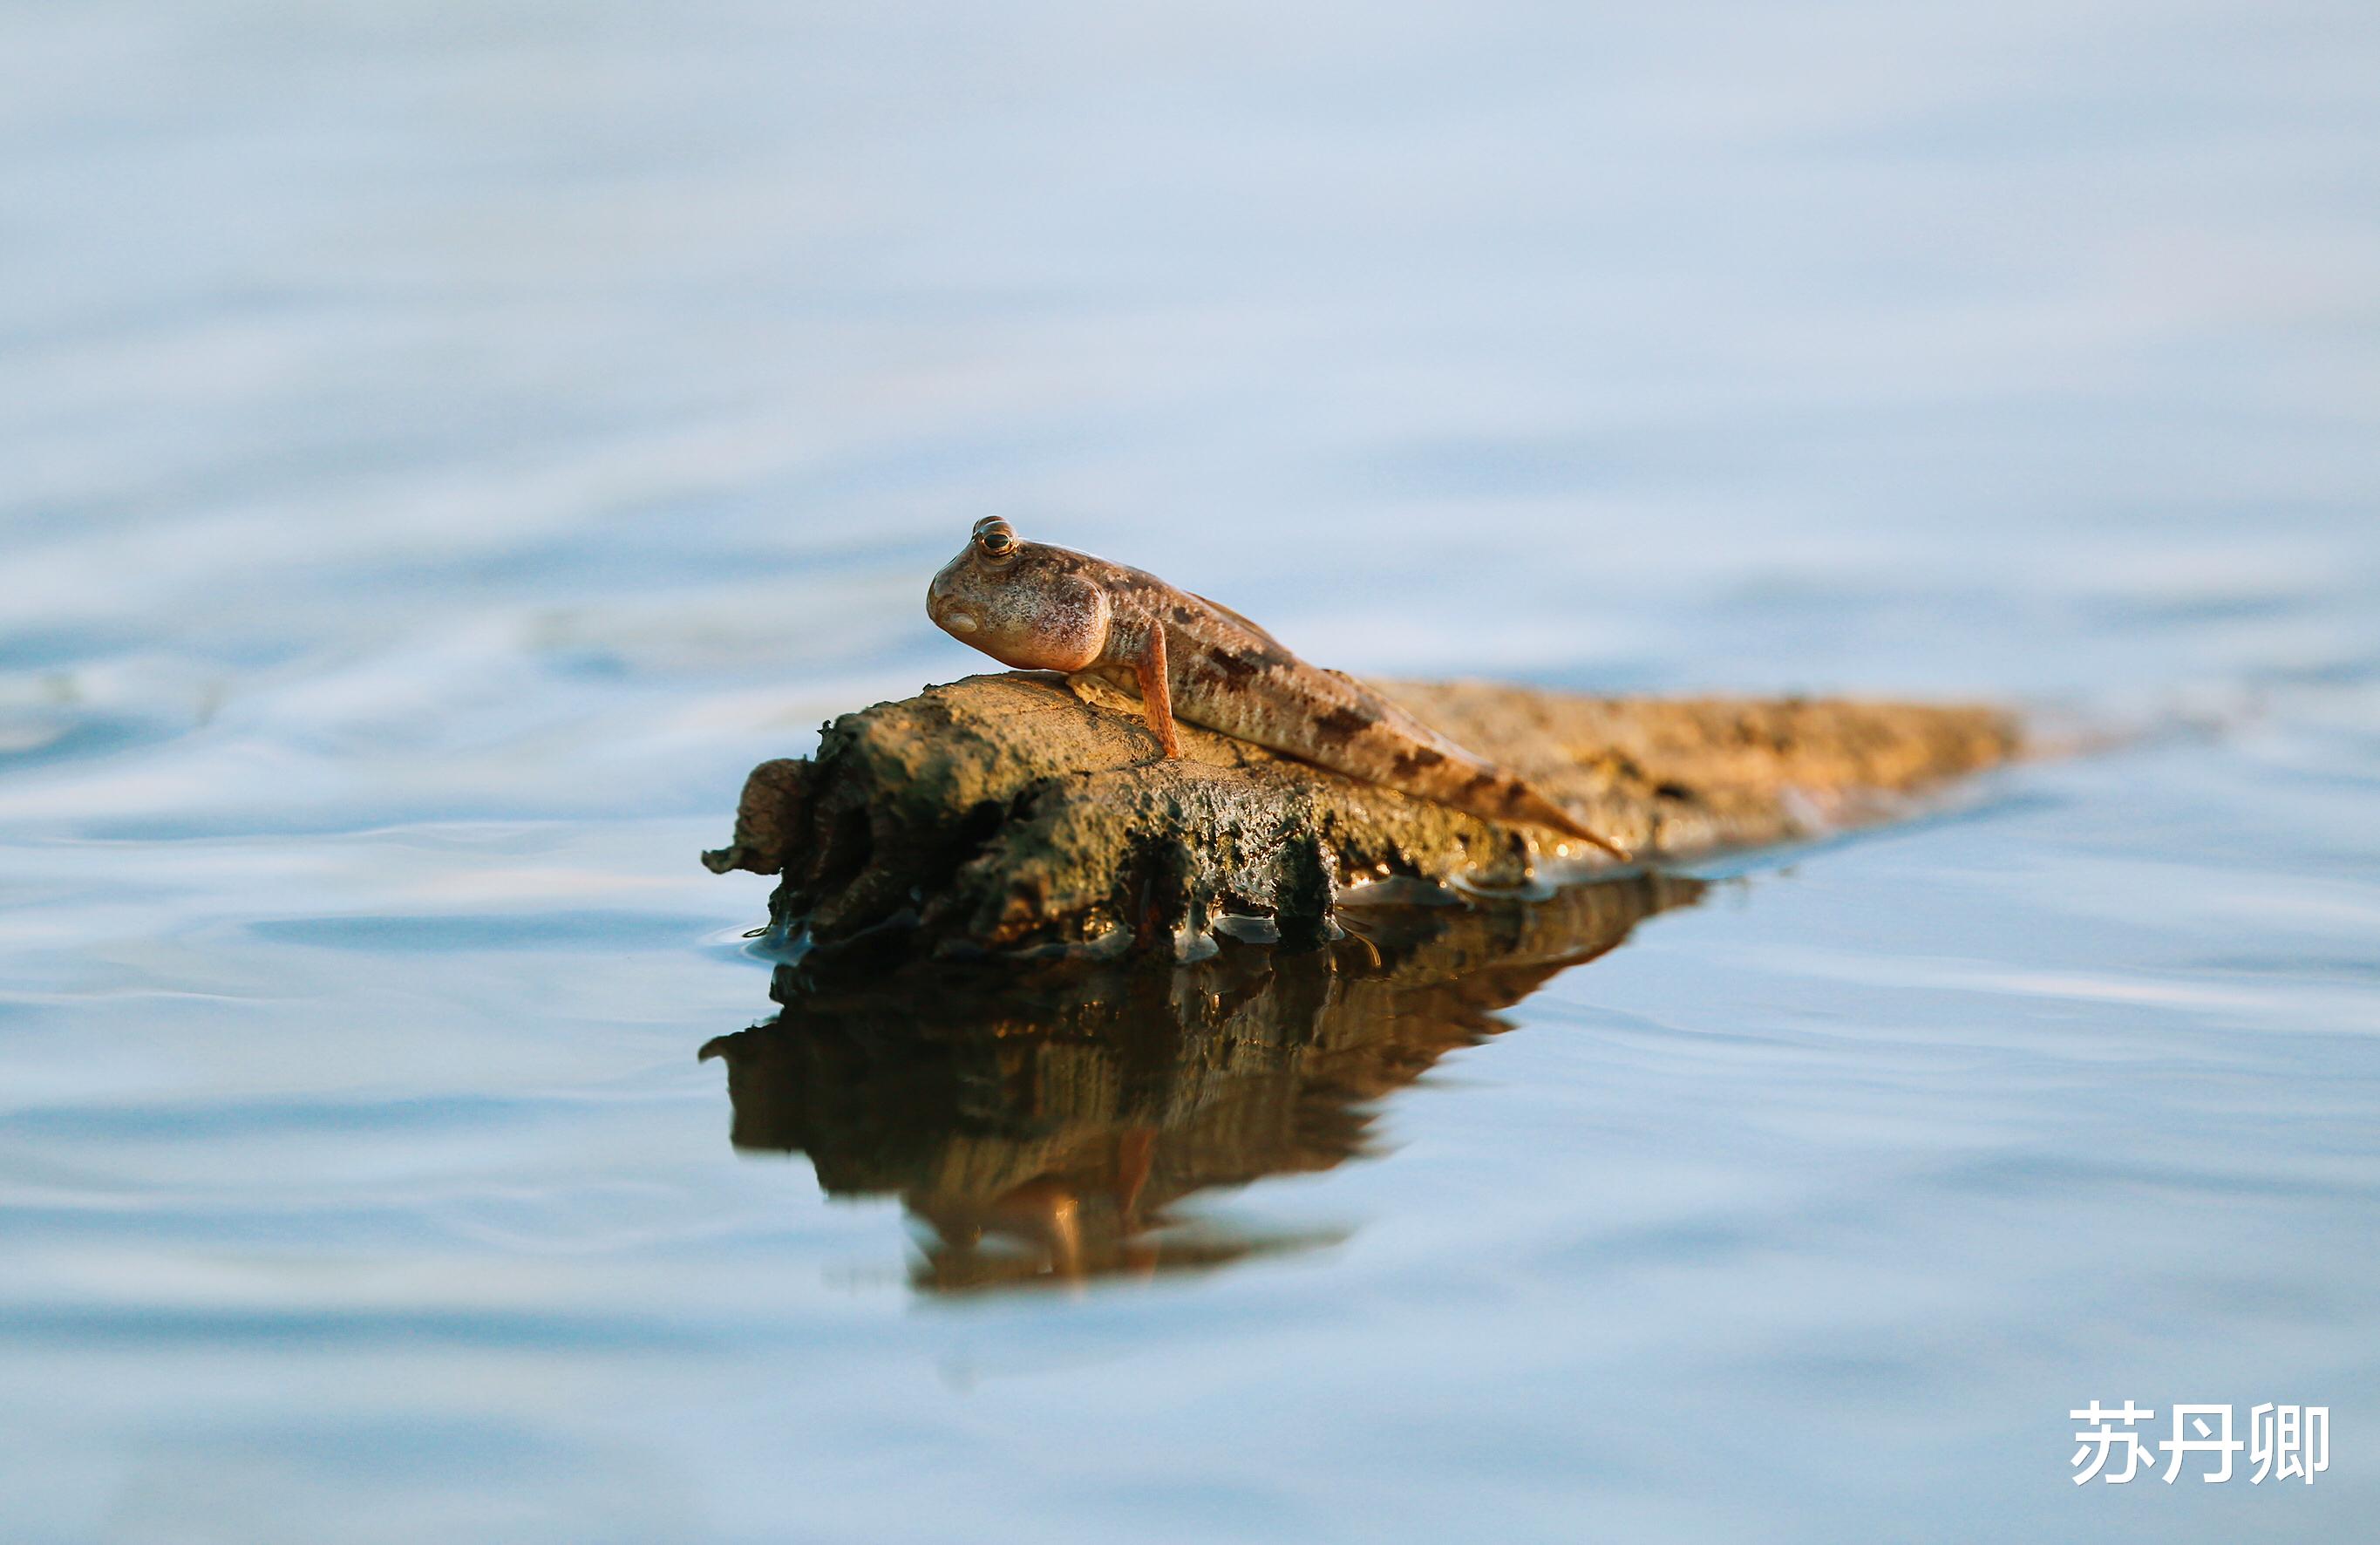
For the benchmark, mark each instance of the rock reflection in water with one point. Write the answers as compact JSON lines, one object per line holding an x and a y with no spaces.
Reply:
{"x":1041,"y":1125}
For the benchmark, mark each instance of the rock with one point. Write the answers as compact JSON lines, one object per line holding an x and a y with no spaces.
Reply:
{"x":1006,"y":814}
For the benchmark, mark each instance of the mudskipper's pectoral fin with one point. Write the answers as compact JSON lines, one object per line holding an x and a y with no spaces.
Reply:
{"x":1156,"y":698}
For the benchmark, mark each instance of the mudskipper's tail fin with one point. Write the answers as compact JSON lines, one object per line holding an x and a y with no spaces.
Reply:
{"x":1524,"y":803}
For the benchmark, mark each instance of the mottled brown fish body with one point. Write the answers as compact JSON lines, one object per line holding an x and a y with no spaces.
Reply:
{"x":1226,"y":678}
{"x":1041,"y":607}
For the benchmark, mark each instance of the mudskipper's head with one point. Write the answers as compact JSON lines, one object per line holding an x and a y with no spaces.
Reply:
{"x":1025,"y":605}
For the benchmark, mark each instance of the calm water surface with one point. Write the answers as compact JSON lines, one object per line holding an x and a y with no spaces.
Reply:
{"x":443,"y":447}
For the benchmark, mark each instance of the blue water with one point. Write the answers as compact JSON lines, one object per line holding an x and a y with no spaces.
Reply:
{"x":443,"y":447}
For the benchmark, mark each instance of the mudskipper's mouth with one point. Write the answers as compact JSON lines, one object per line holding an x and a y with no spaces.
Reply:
{"x":958,"y":622}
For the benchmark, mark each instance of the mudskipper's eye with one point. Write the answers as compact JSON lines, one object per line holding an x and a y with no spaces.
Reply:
{"x":995,"y":537}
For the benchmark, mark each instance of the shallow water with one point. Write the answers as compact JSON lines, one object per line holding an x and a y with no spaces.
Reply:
{"x":444,"y":447}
